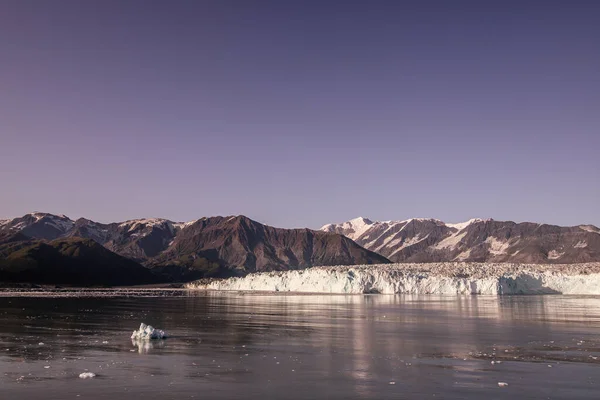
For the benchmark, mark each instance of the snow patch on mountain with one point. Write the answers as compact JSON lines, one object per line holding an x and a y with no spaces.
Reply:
{"x":20,"y":226}
{"x":554,"y":255}
{"x":496,"y":246}
{"x":395,"y":242}
{"x":148,"y":222}
{"x":581,"y":245}
{"x":463,"y":256}
{"x":37,"y":215}
{"x":450,"y":242}
{"x":355,"y":227}
{"x":389,"y":240}
{"x":462,"y":225}
{"x":437,"y":221}
{"x":590,"y":228}
{"x":182,"y":225}
{"x":59,"y":222}
{"x":408,"y":242}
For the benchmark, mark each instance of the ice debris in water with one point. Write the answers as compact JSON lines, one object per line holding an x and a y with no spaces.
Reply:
{"x":86,"y":375}
{"x":147,"y":332}
{"x":502,"y":384}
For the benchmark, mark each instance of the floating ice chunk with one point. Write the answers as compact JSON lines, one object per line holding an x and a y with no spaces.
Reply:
{"x":147,"y":332}
{"x":87,"y":375}
{"x":502,"y":384}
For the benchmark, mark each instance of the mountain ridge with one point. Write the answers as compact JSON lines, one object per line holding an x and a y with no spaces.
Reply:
{"x":209,"y":246}
{"x":475,"y":240}
{"x":225,"y":246}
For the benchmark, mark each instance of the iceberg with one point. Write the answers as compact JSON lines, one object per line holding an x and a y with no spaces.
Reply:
{"x":147,"y":332}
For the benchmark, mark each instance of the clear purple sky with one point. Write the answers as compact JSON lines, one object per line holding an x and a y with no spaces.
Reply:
{"x":300,"y":113}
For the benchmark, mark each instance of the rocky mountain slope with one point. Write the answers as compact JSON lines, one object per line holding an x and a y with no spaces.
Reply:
{"x":71,"y":261}
{"x":477,"y":240}
{"x":236,"y":245}
{"x":38,"y":225}
{"x":229,"y":246}
{"x":215,"y":246}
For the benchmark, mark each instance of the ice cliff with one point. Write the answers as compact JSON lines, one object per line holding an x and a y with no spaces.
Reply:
{"x":434,"y":278}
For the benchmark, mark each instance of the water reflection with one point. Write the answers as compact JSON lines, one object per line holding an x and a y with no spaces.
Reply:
{"x":311,"y":346}
{"x":144,"y":346}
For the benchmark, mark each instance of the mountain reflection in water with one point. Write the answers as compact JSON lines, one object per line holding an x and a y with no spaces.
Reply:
{"x":301,"y":347}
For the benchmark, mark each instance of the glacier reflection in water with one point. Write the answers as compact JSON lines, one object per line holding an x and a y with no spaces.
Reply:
{"x":302,"y":347}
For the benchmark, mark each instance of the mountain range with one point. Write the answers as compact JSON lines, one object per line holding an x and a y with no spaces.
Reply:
{"x":36,"y":244}
{"x":207,"y":247}
{"x":477,"y":240}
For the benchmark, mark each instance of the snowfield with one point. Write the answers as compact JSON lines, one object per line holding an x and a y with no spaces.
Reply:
{"x":434,"y":278}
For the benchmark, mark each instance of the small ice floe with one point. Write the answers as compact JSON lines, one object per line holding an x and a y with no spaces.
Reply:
{"x":87,"y":375}
{"x":392,"y":383}
{"x":40,"y":343}
{"x":147,"y":332}
{"x":502,"y":384}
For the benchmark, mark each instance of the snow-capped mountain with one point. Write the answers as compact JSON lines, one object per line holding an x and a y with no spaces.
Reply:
{"x":214,"y":246}
{"x":431,"y":240}
{"x":39,"y":225}
{"x":237,"y":245}
{"x":137,"y":239}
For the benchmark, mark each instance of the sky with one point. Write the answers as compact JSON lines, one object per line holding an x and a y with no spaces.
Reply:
{"x":301,"y":113}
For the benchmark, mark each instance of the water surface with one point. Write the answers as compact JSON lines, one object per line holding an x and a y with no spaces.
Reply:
{"x":247,"y":346}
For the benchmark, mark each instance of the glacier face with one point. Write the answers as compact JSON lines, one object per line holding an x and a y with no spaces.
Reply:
{"x":435,"y":278}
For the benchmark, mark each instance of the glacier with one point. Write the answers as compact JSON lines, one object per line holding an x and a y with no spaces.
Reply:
{"x":433,"y":278}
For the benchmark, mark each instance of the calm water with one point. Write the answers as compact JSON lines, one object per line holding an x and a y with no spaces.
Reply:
{"x":302,"y":347}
